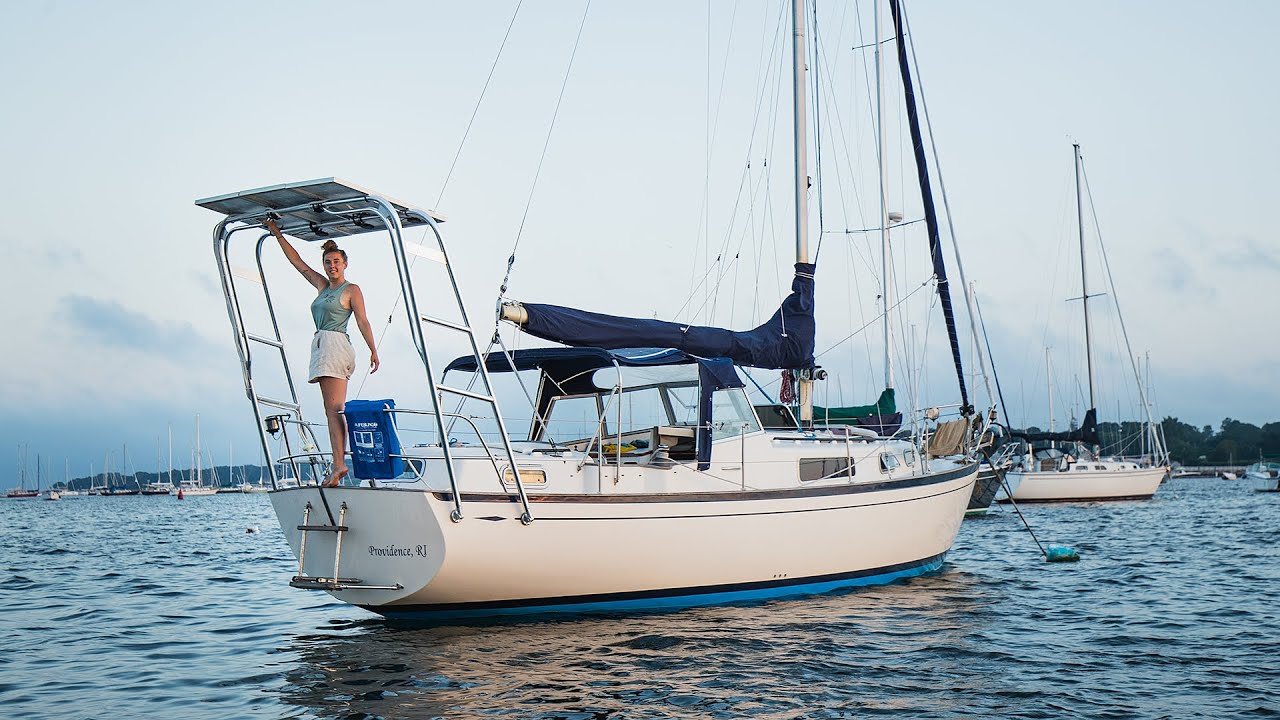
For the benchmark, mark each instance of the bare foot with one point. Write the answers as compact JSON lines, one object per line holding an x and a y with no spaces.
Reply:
{"x":335,"y":478}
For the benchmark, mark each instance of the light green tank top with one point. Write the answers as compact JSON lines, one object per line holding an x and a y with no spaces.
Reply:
{"x":327,"y":310}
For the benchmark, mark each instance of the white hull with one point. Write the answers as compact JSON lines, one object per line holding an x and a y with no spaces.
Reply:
{"x":195,"y":492}
{"x":1265,"y":479}
{"x":1011,"y":482}
{"x":1076,"y":485}
{"x":594,"y":551}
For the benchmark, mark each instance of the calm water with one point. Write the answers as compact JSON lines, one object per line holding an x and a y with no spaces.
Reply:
{"x":151,"y":607}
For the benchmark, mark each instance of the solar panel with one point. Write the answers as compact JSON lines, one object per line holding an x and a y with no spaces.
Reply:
{"x":315,"y":209}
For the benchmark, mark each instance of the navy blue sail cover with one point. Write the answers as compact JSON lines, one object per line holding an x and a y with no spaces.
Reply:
{"x":1087,"y":433}
{"x":371,"y":433}
{"x":785,"y":341}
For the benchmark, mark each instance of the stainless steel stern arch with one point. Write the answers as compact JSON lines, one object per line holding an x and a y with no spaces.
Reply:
{"x":306,"y":204}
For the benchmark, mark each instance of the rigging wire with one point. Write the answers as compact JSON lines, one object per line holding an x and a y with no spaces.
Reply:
{"x":1116,"y":300}
{"x":942,"y":187}
{"x":877,"y":318}
{"x":506,"y":278}
{"x":767,"y":86}
{"x":502,"y":289}
{"x":817,"y":131}
{"x":996,"y":376}
{"x":763,"y":89}
{"x":443,"y":186}
{"x":474,"y":111}
{"x":712,"y":123}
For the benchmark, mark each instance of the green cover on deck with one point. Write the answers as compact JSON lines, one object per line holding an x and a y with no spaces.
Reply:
{"x":847,"y":415}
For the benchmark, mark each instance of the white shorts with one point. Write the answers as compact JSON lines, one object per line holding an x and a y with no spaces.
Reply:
{"x":331,"y":356}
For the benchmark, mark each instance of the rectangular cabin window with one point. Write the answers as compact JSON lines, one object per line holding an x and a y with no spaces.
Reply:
{"x":776,"y":417}
{"x":573,"y":418}
{"x":642,"y":409}
{"x":731,"y":414}
{"x":527,"y":478}
{"x":909,"y":456}
{"x":684,"y":404}
{"x":888,"y":462}
{"x":822,"y":468}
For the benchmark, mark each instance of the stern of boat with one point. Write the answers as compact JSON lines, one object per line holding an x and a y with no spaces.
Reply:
{"x":364,"y":546}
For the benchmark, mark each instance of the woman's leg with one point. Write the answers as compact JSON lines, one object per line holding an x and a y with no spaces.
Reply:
{"x":334,"y":392}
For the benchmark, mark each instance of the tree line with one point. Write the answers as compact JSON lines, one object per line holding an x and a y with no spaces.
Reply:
{"x":1233,"y":443}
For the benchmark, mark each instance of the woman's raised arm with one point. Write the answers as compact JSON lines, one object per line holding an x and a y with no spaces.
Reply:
{"x":319,"y":281}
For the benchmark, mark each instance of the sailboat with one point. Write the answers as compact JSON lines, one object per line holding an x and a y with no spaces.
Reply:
{"x":110,"y":488}
{"x":194,"y":485}
{"x":158,"y":487}
{"x":693,"y":503}
{"x":49,"y":493}
{"x":22,"y":491}
{"x":1051,"y":475}
{"x":66,"y":490}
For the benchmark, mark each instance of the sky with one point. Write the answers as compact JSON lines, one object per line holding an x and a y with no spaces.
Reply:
{"x":670,"y":146}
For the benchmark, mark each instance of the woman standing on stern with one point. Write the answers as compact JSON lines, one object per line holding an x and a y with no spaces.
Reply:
{"x":332,"y":358}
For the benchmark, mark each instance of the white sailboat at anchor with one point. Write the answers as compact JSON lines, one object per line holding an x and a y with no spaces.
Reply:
{"x":693,"y":503}
{"x":1082,"y":474}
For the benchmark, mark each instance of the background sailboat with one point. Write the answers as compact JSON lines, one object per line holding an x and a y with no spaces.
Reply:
{"x":1080,"y":473}
{"x":194,"y":486}
{"x":22,"y":491}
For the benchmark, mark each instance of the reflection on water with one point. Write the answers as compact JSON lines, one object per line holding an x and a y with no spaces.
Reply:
{"x":780,"y":659}
{"x":150,"y":607}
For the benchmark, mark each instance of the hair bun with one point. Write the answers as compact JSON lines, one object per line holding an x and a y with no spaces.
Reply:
{"x":329,"y":246}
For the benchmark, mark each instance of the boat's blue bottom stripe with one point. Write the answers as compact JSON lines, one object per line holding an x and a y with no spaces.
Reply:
{"x":663,"y":599}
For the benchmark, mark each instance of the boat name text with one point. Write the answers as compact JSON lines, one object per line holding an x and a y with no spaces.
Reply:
{"x":395,"y":551}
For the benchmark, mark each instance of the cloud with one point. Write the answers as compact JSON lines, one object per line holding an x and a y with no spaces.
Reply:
{"x":1180,"y":275}
{"x":49,"y":257}
{"x":1248,"y":252}
{"x":204,"y":282}
{"x":111,"y":324}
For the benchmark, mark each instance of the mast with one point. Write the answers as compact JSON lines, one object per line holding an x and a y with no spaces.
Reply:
{"x":199,"y":474}
{"x":930,"y":213}
{"x":170,"y":430}
{"x":1084,"y":280}
{"x":885,"y":251}
{"x":1146,"y":402}
{"x":801,"y":179}
{"x":1048,"y":376}
{"x":1142,"y":437}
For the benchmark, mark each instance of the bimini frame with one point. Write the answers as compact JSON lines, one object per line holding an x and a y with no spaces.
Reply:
{"x":322,"y":209}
